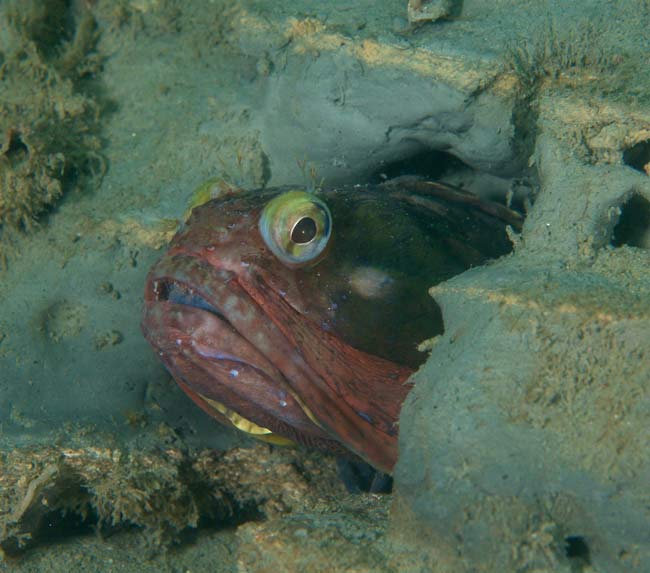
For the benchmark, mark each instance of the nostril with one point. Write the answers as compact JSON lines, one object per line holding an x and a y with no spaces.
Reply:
{"x":161,"y":290}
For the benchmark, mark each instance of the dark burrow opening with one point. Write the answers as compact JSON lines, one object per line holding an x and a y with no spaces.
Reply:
{"x":638,"y":156}
{"x":633,"y":227}
{"x":429,"y":164}
{"x":15,"y":150}
{"x":436,"y":165}
{"x":577,"y":551}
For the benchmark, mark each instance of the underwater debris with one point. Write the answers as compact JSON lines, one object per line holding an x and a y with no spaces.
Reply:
{"x":429,"y":10}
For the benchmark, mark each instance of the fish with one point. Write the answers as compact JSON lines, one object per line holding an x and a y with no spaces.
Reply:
{"x":295,"y":314}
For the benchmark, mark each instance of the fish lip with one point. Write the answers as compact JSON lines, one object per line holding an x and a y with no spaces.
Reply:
{"x":172,"y":283}
{"x":274,"y":402}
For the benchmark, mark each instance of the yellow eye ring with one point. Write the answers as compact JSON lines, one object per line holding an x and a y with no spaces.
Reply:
{"x":296,"y":226}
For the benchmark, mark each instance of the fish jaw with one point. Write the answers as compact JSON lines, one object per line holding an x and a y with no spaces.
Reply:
{"x":230,"y":341}
{"x":206,"y":354}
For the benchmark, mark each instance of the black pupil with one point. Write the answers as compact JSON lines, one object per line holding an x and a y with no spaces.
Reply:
{"x":303,"y":231}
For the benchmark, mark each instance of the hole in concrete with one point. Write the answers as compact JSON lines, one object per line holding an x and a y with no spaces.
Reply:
{"x":577,"y":551}
{"x":430,"y":164}
{"x":440,"y":166}
{"x":638,"y":156}
{"x":633,"y":227}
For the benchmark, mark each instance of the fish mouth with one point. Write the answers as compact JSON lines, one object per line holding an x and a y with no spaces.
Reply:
{"x":182,"y":294}
{"x":246,"y":356}
{"x":215,"y":341}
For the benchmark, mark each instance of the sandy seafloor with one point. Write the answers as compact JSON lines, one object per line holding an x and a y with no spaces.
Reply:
{"x":117,"y":111}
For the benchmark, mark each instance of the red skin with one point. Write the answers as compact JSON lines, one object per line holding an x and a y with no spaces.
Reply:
{"x":271,"y":337}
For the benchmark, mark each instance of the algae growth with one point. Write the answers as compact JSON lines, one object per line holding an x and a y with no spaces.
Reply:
{"x":49,"y":120}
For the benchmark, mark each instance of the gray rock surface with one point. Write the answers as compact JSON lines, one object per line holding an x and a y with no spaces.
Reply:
{"x":523,"y":446}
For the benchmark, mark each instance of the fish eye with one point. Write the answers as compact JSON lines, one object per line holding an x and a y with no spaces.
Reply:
{"x":296,"y":226}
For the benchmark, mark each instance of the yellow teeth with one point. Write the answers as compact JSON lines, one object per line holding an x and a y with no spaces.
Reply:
{"x":247,"y":426}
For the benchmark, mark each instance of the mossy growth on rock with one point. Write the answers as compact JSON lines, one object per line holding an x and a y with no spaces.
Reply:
{"x":164,"y":494}
{"x":29,"y":181}
{"x":49,"y":120}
